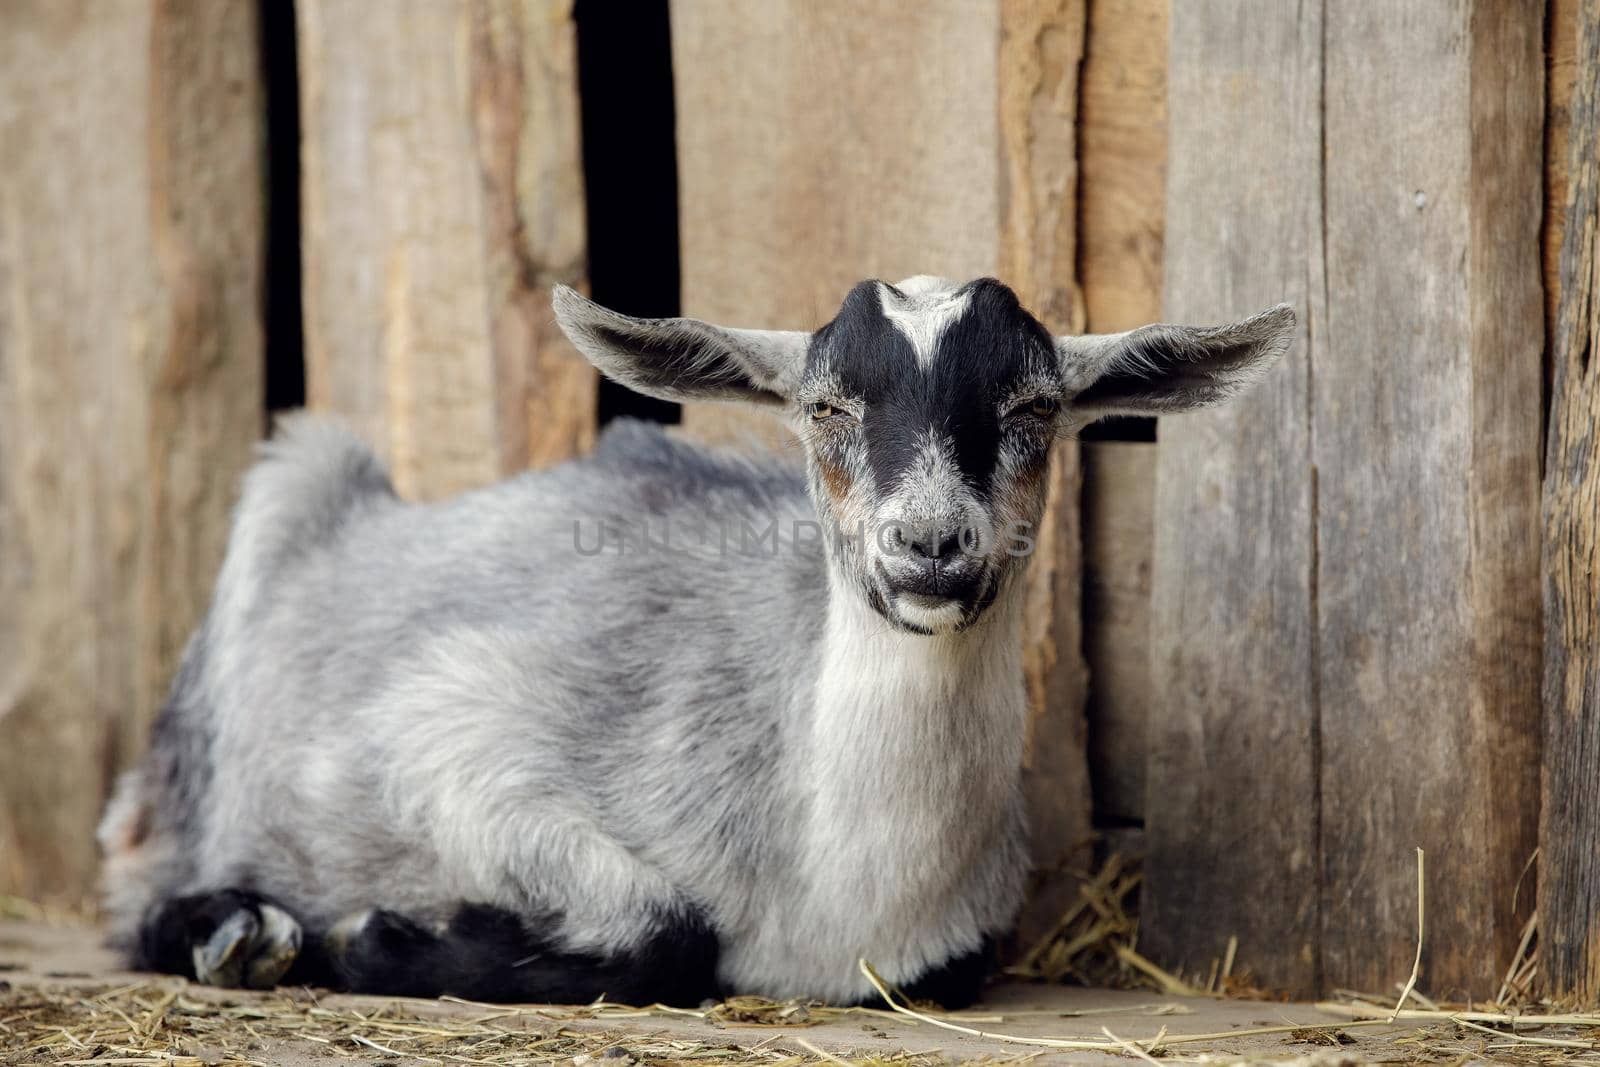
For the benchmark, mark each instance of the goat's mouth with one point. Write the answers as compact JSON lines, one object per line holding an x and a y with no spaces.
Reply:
{"x":926,"y":602}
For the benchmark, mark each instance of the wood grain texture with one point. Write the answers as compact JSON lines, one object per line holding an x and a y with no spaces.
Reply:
{"x":1122,"y":154}
{"x":886,"y":140}
{"x":1119,"y":496}
{"x":1560,"y":75}
{"x":1426,"y":408}
{"x":1231,"y":820}
{"x":860,"y":142}
{"x":442,"y":192}
{"x":1569,"y":836}
{"x":130,"y":385}
{"x":1040,"y":56}
{"x":1359,"y":596}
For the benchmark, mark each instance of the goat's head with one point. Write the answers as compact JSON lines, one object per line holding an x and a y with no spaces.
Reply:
{"x":927,"y":410}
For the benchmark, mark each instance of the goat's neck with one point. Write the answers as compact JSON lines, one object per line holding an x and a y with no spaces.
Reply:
{"x":915,"y":741}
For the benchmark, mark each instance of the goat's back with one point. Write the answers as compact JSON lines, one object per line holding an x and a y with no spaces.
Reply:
{"x":396,"y":701}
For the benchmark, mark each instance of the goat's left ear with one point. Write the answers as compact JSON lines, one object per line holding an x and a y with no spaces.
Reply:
{"x":1163,"y":369}
{"x":683,"y":359}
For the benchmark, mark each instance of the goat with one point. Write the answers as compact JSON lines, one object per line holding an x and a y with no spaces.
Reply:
{"x":520,"y":745}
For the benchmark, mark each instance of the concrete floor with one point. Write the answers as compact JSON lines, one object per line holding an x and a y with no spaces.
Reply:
{"x":33,"y":954}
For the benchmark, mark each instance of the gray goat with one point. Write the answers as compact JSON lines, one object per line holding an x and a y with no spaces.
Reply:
{"x":656,"y":723}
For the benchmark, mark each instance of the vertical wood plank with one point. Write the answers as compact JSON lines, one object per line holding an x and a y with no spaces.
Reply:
{"x":442,"y":199}
{"x":1426,"y":412}
{"x":1413,"y":446}
{"x":1560,"y":72}
{"x":836,"y":159}
{"x":1123,"y":162}
{"x":1040,"y":58}
{"x":1569,"y":837}
{"x":1231,"y":822}
{"x":950,"y":151}
{"x":130,"y":385}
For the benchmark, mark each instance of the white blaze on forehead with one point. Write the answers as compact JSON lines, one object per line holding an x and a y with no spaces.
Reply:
{"x":922,"y":309}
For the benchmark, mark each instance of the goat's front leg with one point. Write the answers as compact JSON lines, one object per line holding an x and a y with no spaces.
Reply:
{"x":489,"y":953}
{"x":239,"y":938}
{"x":227,"y":937}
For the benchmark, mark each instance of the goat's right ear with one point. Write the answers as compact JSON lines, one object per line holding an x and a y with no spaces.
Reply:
{"x":683,"y":359}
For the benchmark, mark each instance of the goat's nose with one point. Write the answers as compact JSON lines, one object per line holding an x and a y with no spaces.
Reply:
{"x":935,"y":543}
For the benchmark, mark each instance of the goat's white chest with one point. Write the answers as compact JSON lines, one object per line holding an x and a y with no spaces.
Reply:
{"x":907,"y":780}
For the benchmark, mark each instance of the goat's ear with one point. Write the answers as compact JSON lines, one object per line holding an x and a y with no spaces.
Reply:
{"x":683,"y":359}
{"x":1162,"y":369}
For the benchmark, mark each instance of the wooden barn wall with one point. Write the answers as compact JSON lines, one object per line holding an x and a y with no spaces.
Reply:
{"x":1345,"y":592}
{"x":443,"y":196}
{"x":1569,"y":833}
{"x":130,"y":385}
{"x":1309,"y":625}
{"x":951,"y":153}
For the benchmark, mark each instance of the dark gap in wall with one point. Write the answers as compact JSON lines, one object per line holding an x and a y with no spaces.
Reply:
{"x":282,"y":321}
{"x":1120,"y":428}
{"x":1549,"y":146}
{"x":630,"y":172}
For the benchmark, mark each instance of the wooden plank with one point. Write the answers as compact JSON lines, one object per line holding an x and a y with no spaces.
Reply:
{"x":1569,"y":837}
{"x":130,"y":385}
{"x":1123,"y":161}
{"x":1561,"y":69}
{"x":841,"y":158}
{"x":837,"y":159}
{"x":1119,"y":496}
{"x":1040,"y":58}
{"x":442,"y":199}
{"x":1426,"y":411}
{"x":1231,"y":814}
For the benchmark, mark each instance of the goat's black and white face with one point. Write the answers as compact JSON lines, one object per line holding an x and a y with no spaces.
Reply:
{"x":927,"y":410}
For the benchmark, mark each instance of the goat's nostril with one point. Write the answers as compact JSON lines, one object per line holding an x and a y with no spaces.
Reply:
{"x":936,"y":544}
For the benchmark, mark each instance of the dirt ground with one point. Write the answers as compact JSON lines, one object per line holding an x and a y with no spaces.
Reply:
{"x":63,"y":1000}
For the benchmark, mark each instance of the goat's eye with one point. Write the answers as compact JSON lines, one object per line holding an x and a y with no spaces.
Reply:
{"x":1040,"y":407}
{"x":821,"y":410}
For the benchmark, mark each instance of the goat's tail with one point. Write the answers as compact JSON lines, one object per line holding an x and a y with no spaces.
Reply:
{"x":311,"y":476}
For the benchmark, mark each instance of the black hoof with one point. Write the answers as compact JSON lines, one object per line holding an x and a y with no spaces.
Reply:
{"x":225,"y":938}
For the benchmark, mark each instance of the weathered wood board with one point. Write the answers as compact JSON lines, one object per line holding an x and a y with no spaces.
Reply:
{"x":1345,"y":566}
{"x":835,"y":159}
{"x":1561,"y":71}
{"x":1040,"y":58}
{"x":130,"y":385}
{"x":1122,"y":169}
{"x":442,"y":197}
{"x":1231,"y":824}
{"x":840,"y":159}
{"x":1426,"y":412}
{"x":1569,"y":834}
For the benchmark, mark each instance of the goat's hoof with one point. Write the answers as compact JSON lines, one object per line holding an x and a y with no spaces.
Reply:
{"x":252,"y":948}
{"x":374,"y":949}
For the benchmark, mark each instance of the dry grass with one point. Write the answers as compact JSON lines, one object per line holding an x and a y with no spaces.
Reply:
{"x":167,"y":1022}
{"x":1094,"y":944}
